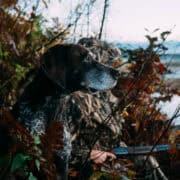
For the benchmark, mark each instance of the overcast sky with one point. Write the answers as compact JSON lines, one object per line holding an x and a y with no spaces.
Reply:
{"x":127,"y":19}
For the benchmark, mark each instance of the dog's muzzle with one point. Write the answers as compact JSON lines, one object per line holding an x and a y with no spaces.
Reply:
{"x":100,"y":77}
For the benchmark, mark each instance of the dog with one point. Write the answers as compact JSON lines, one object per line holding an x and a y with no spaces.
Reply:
{"x":64,"y":69}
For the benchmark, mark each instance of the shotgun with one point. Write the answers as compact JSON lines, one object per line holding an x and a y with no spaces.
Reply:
{"x":137,"y":150}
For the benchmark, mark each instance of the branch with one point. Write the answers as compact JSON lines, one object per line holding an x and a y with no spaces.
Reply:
{"x":103,"y":18}
{"x":175,"y":115}
{"x":54,"y":38}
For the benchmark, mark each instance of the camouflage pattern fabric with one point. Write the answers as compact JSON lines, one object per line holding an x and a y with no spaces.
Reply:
{"x":86,"y":117}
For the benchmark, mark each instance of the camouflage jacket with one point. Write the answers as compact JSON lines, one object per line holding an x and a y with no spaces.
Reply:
{"x":91,"y":124}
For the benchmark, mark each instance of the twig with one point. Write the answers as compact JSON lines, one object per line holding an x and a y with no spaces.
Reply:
{"x":175,"y":115}
{"x":54,"y":38}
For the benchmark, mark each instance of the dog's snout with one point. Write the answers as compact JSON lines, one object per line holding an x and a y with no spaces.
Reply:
{"x":115,"y":73}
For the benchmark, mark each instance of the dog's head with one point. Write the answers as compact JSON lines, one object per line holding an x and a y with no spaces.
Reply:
{"x":73,"y":68}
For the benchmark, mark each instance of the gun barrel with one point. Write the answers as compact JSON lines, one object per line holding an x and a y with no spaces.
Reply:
{"x":142,"y":149}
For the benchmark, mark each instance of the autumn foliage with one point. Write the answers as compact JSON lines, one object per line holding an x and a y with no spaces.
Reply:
{"x":22,"y":41}
{"x":139,"y":92}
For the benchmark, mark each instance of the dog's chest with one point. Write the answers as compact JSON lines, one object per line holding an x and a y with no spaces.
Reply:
{"x":37,"y":118}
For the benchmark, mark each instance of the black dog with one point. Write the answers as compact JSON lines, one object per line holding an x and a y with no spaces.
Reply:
{"x":64,"y":69}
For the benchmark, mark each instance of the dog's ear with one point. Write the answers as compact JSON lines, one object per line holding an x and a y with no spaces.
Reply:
{"x":54,"y":64}
{"x":60,"y":60}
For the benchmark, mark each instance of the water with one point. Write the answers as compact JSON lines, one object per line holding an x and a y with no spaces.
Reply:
{"x":172,"y":57}
{"x":172,"y":62}
{"x":170,"y":107}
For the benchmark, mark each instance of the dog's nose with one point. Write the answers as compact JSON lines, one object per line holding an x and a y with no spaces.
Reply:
{"x":115,"y":73}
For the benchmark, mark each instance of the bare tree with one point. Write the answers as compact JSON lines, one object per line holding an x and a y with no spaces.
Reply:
{"x":106,"y":4}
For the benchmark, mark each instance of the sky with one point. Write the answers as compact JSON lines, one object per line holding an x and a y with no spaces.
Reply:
{"x":127,"y":19}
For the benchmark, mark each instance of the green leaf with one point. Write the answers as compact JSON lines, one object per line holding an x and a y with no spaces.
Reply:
{"x":36,"y":139}
{"x":37,"y":163}
{"x":31,"y":176}
{"x":19,"y":161}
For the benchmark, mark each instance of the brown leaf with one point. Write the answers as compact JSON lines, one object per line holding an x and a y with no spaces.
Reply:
{"x":117,"y":63}
{"x":161,"y":68}
{"x":7,"y":3}
{"x":73,"y":173}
